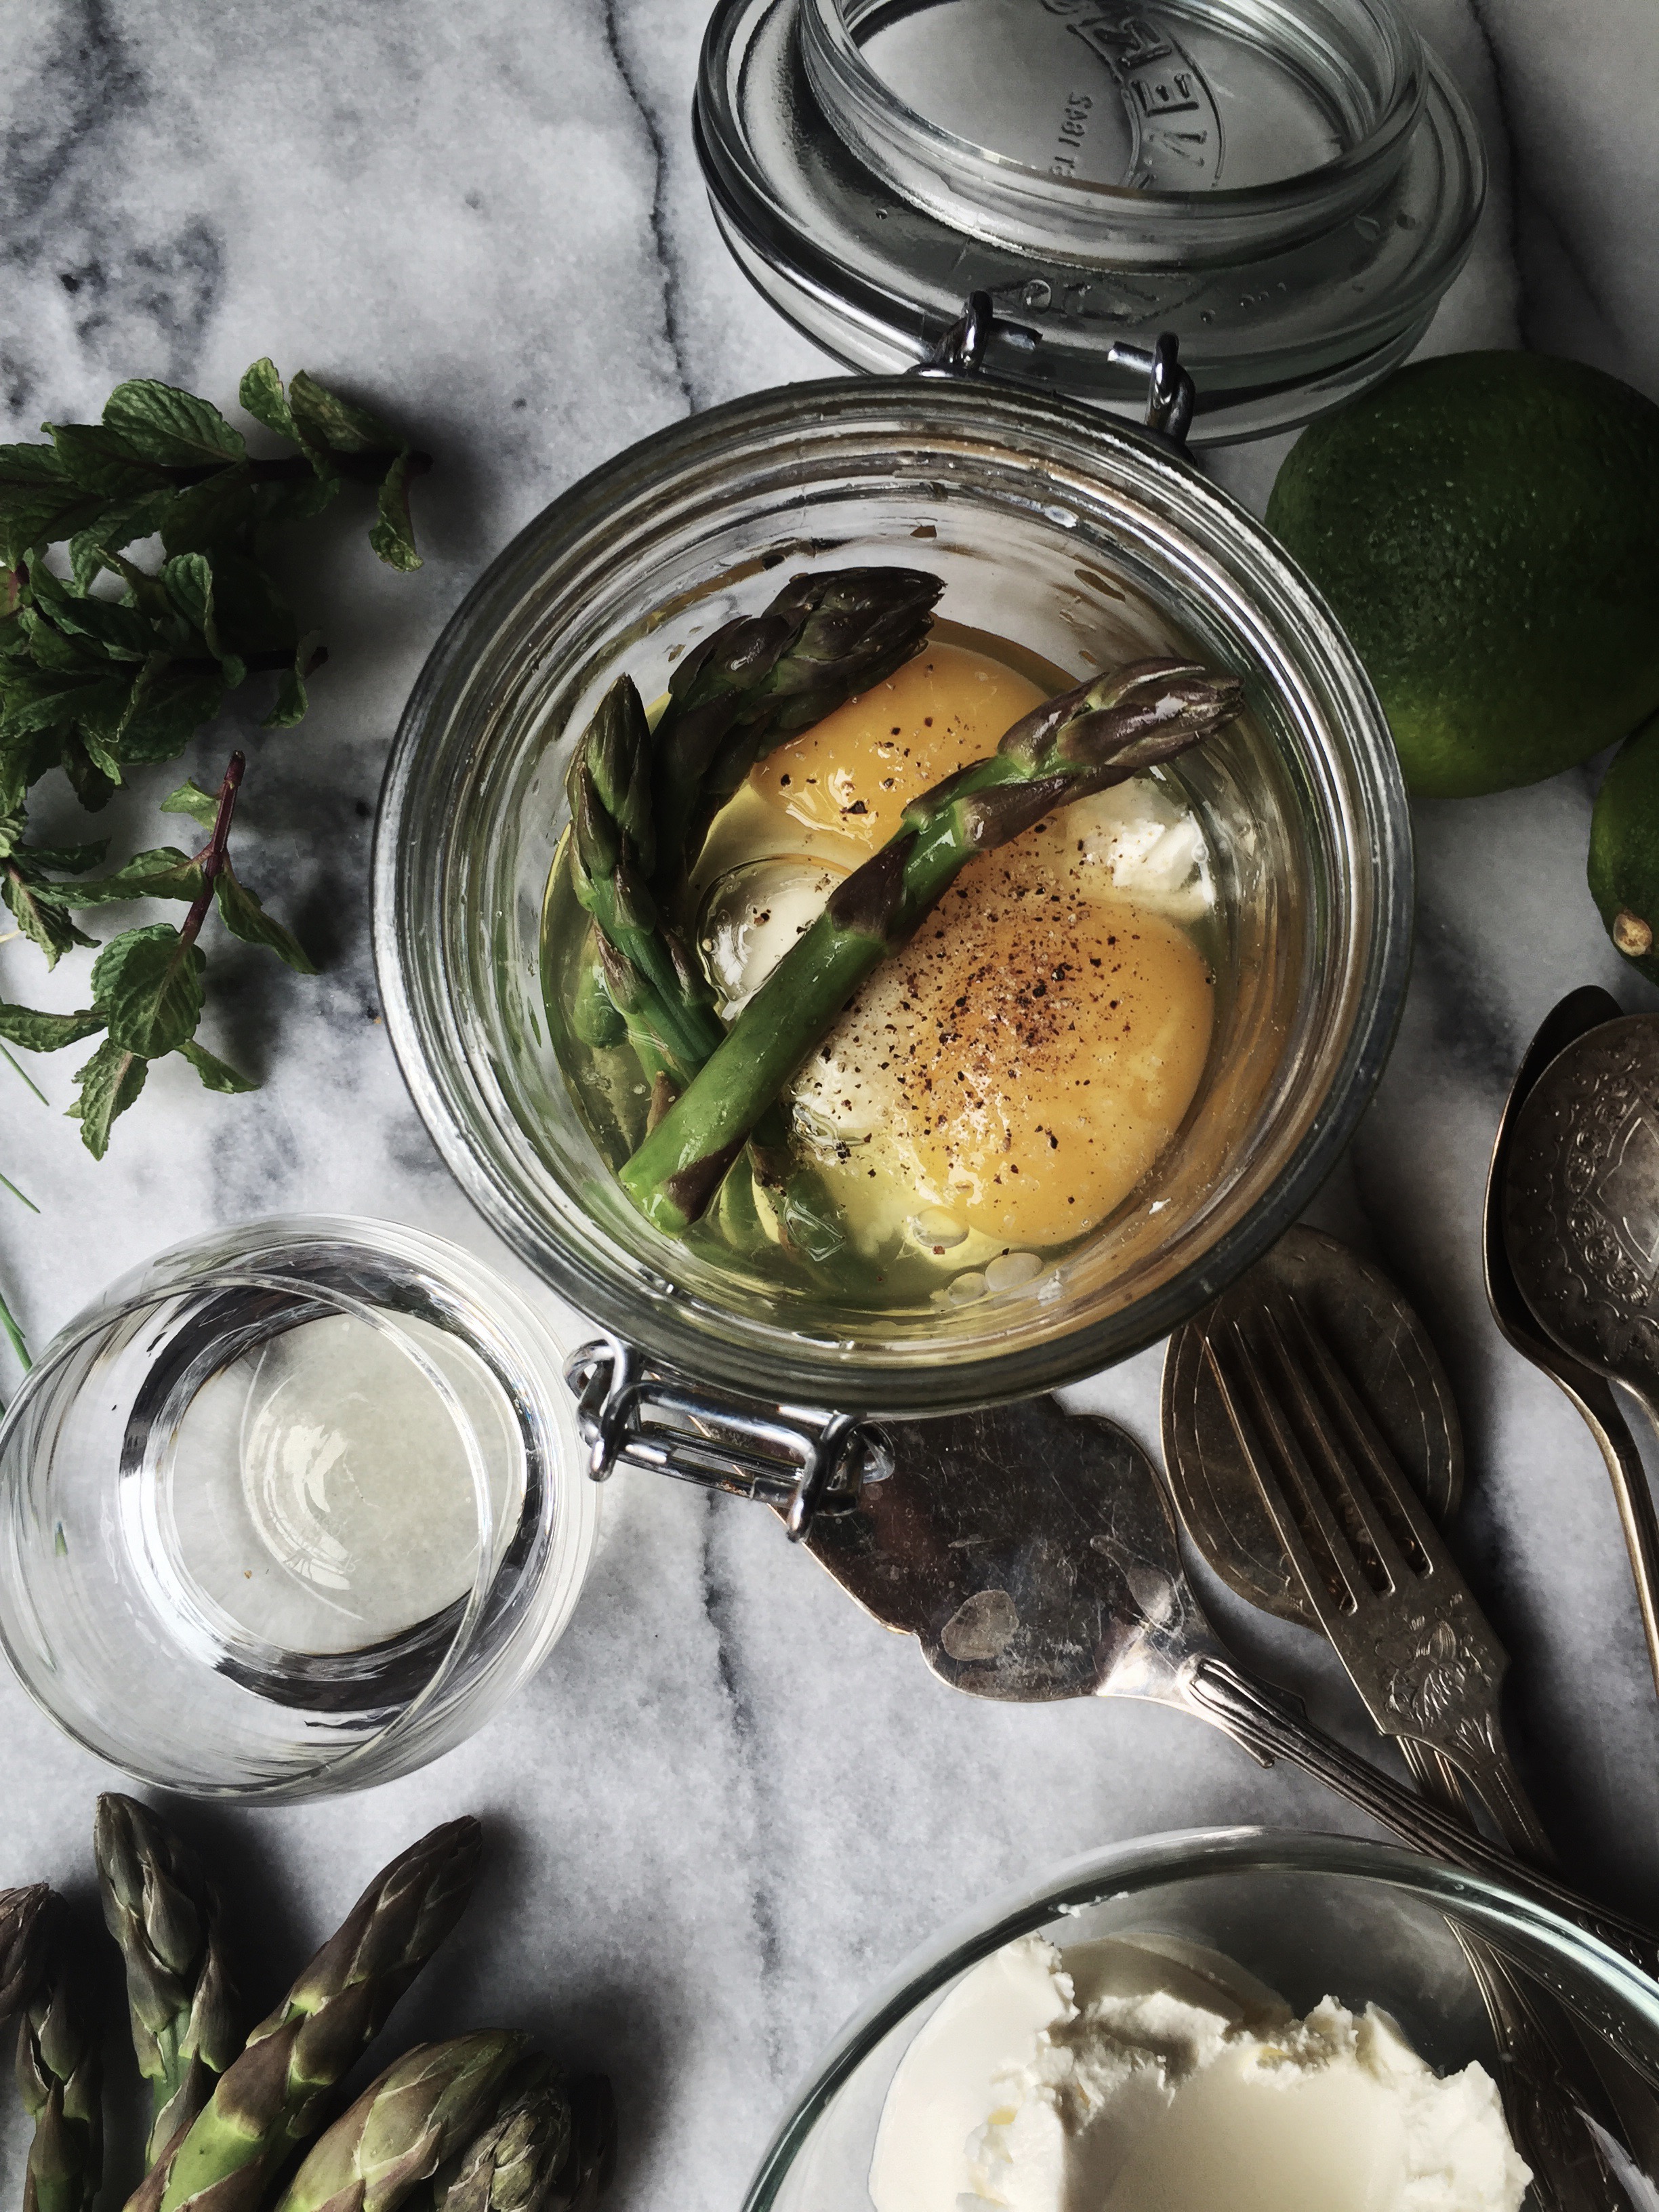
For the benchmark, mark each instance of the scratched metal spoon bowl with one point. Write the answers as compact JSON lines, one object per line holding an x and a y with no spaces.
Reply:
{"x":1581,"y":1203}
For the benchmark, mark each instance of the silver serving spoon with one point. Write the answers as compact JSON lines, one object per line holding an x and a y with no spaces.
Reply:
{"x":1572,"y":1239}
{"x":1032,"y":1553}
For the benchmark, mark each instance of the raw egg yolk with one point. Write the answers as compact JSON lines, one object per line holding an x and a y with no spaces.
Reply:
{"x":854,"y":773}
{"x":1038,"y":1051}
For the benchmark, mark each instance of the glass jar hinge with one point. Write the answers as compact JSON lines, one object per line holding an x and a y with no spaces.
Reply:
{"x":801,"y":1460}
{"x":1170,"y":392}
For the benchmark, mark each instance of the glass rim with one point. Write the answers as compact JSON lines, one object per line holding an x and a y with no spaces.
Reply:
{"x":1160,"y":1861}
{"x":432,"y":1038}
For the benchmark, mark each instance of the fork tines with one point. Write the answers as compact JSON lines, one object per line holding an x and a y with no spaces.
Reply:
{"x":1350,"y":1520}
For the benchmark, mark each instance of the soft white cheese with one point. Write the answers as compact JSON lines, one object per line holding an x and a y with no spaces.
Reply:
{"x":1147,"y":2075}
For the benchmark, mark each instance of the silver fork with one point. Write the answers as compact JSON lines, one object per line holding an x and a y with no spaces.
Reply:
{"x":1404,"y":1622}
{"x":1431,"y":1671}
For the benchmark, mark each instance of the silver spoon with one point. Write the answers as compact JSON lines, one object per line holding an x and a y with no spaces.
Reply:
{"x":1032,"y":1553}
{"x":1572,"y":1239}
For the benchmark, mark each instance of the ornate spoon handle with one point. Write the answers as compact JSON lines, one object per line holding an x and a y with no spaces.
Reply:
{"x":1272,"y":1724}
{"x":1596,"y":1400}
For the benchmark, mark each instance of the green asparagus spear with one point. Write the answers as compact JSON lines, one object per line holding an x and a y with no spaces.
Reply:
{"x":650,"y":975}
{"x":161,"y":1910}
{"x":23,"y":1937}
{"x":1082,"y":741}
{"x":513,"y":2162}
{"x":423,"y":2111}
{"x":593,"y":1015}
{"x":761,"y":679}
{"x":612,"y":848}
{"x":635,"y":1002}
{"x":60,"y":2081}
{"x":276,"y":2094}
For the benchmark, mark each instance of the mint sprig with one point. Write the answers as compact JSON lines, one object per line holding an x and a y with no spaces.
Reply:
{"x":98,"y":682}
{"x":163,"y":460}
{"x":147,"y":994}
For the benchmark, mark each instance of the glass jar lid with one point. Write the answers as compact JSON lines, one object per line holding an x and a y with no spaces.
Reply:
{"x":1288,"y":184}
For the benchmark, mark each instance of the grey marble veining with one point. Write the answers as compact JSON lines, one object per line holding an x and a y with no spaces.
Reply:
{"x":729,"y":1806}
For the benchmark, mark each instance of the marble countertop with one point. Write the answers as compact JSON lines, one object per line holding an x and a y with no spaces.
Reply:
{"x":730,"y":1805}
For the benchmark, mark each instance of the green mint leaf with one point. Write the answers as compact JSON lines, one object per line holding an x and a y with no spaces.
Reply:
{"x":38,"y":1032}
{"x":68,"y":859}
{"x":38,"y":699}
{"x":171,"y":427}
{"x":39,"y":501}
{"x":221,"y":510}
{"x":88,"y":744}
{"x":189,"y":799}
{"x":60,"y":649}
{"x":120,"y":632}
{"x":262,"y":394}
{"x":172,"y":708}
{"x":109,"y":1082}
{"x":17,"y":758}
{"x":146,"y":592}
{"x":326,"y":419}
{"x":42,"y":586}
{"x":94,"y":785}
{"x":291,"y":701}
{"x":243,"y":916}
{"x":189,"y":580}
{"x":52,"y":649}
{"x":31,"y":464}
{"x":115,"y":525}
{"x":100,"y":460}
{"x":43,"y":923}
{"x":393,"y":535}
{"x":162,"y":873}
{"x":215,"y":1074}
{"x":149,"y":982}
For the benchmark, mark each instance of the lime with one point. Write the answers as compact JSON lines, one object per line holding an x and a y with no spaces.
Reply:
{"x":1624,"y":850}
{"x":1487,"y":527}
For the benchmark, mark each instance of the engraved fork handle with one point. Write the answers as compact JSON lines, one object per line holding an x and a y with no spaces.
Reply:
{"x":1541,"y":2098}
{"x":1483,"y":1758}
{"x":1272,"y":1724}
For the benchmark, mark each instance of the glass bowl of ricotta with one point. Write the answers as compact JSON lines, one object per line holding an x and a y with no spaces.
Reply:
{"x":1083,"y":544}
{"x":1272,"y":2022}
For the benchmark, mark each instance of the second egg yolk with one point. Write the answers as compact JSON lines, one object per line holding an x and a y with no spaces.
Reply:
{"x":854,"y":773}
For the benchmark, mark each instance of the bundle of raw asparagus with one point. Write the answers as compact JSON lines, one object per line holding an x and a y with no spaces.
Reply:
{"x":643,"y":801}
{"x":481,"y":2123}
